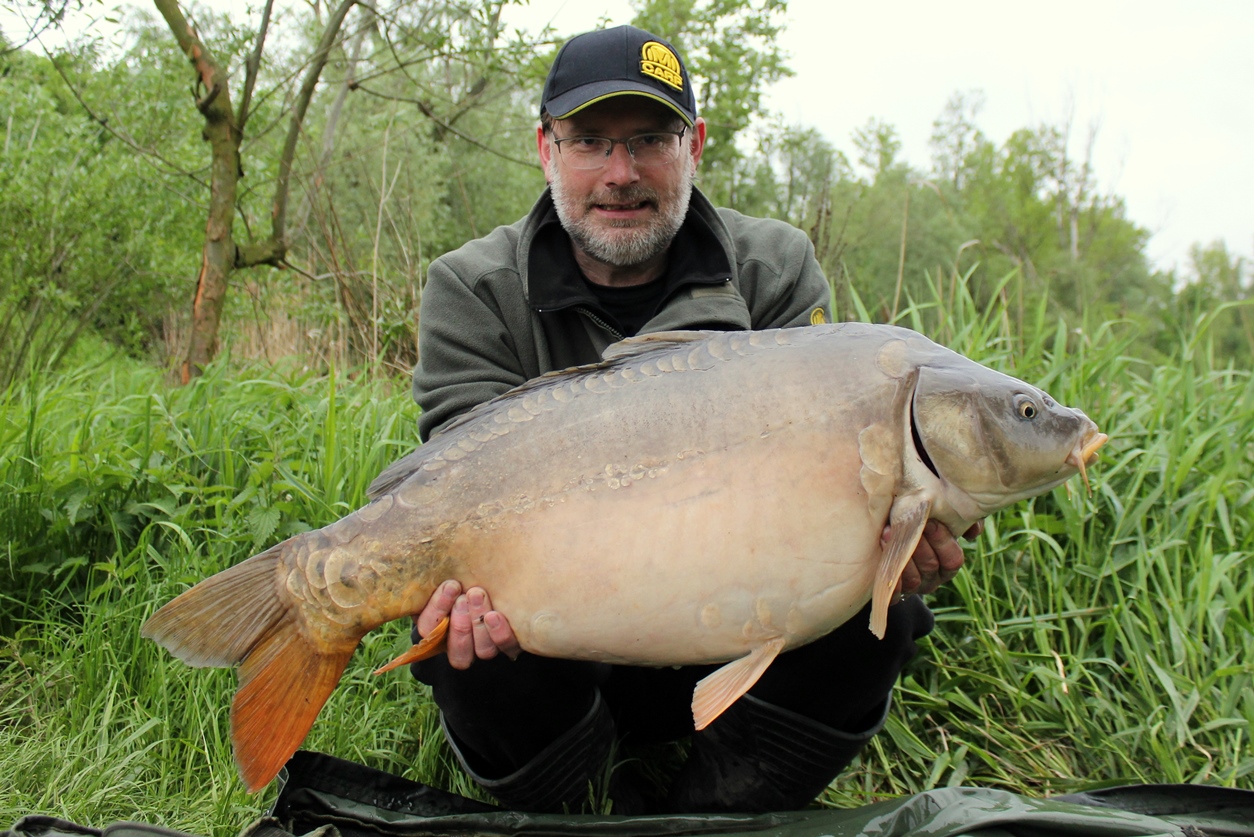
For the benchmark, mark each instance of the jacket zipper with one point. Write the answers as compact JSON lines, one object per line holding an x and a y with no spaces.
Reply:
{"x":615,"y":333}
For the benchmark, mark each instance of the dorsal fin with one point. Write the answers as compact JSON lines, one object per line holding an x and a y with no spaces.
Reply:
{"x":395,"y":474}
{"x":643,"y":343}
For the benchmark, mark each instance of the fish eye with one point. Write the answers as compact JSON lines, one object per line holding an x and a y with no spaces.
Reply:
{"x":1026,"y":408}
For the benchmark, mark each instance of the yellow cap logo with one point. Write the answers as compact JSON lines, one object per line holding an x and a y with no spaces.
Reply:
{"x":817,"y":317}
{"x":657,"y":61}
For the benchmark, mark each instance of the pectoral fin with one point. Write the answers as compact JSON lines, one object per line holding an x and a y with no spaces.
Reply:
{"x":908,"y":516}
{"x":720,"y":690}
{"x":432,"y":644}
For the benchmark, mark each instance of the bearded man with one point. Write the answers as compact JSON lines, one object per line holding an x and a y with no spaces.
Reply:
{"x":621,"y":243}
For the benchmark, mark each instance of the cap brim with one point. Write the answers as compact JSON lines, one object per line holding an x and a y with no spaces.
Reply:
{"x":573,"y":101}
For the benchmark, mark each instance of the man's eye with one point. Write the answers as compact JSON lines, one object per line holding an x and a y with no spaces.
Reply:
{"x":586,"y":142}
{"x":648,"y":140}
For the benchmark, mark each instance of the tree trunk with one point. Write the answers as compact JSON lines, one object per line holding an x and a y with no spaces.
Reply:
{"x":217,"y":258}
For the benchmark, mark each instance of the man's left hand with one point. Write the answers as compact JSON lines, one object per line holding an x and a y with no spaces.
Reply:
{"x":936,"y":559}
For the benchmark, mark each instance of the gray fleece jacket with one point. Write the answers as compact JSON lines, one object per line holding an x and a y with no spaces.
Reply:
{"x":513,"y":305}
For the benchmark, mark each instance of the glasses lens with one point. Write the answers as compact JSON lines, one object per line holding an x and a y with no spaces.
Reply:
{"x":646,"y":149}
{"x":585,"y":152}
{"x":654,"y":149}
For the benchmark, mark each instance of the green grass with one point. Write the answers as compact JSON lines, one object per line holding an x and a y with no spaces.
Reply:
{"x":117,"y":491}
{"x":1092,"y":639}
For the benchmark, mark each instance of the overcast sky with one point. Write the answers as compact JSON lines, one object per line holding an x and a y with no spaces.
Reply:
{"x":1169,"y":84}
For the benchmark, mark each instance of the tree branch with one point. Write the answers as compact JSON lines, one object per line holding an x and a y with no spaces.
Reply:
{"x":299,"y":108}
{"x":269,"y":251}
{"x":254,"y":65}
{"x":427,"y":112}
{"x":211,"y":76}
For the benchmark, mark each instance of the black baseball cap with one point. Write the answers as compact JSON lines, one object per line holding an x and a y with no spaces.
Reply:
{"x":616,"y":62}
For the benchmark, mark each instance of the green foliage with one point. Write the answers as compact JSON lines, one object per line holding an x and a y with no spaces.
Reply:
{"x":883,"y":230}
{"x":87,"y":249}
{"x":422,"y":137}
{"x":427,"y":140}
{"x":1029,"y":209}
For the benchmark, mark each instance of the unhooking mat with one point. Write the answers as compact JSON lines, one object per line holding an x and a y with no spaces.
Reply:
{"x":322,"y":796}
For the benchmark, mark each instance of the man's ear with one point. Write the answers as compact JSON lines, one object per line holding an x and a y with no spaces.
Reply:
{"x":545,"y":149}
{"x":697,"y":145}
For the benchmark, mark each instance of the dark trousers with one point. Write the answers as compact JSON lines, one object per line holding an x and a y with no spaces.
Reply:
{"x":504,"y":712}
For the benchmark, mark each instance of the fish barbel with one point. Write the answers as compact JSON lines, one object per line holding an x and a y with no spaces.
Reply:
{"x":697,"y":497}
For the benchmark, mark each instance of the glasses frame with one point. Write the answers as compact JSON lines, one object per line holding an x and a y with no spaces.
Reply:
{"x":626,"y":142}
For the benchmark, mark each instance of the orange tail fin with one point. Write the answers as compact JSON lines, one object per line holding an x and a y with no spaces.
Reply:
{"x":238,"y":617}
{"x":283,"y":685}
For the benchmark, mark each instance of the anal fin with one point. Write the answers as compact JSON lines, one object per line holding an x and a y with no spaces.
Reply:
{"x":907,"y":519}
{"x":719,"y":690}
{"x":432,"y":644}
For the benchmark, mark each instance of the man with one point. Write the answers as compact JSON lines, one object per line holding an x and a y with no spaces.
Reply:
{"x":621,"y":243}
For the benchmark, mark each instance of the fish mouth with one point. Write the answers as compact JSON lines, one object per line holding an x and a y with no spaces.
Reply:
{"x":1084,"y":453}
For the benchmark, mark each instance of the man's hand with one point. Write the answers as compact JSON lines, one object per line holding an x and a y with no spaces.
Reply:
{"x":936,"y":559}
{"x":475,"y":630}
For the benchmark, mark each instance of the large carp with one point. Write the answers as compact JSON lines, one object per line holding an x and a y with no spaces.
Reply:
{"x":697,"y":497}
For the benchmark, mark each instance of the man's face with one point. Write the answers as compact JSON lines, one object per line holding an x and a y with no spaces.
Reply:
{"x":622,"y":214}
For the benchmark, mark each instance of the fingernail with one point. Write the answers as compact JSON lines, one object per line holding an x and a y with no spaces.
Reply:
{"x":492,"y":620}
{"x":476,"y":598}
{"x":461,"y":606}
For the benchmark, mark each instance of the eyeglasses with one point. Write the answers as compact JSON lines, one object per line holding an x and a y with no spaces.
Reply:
{"x":656,"y":148}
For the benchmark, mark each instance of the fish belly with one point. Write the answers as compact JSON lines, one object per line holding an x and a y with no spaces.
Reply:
{"x":695,"y":562}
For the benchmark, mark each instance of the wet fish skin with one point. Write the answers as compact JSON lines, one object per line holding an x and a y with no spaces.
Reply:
{"x":695,"y":498}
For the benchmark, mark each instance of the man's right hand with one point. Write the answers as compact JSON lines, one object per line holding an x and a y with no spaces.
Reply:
{"x":475,"y":630}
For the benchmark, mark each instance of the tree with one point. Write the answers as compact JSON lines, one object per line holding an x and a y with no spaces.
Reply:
{"x":889,"y":223}
{"x":427,"y":142}
{"x":955,"y":138}
{"x":1219,"y":290}
{"x":224,"y":131}
{"x":269,"y":113}
{"x":1032,"y":207}
{"x":789,"y":175}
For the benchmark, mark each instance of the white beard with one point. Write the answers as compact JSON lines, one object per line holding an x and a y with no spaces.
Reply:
{"x":625,"y":244}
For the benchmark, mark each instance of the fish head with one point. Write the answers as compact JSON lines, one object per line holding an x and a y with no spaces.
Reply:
{"x":994,"y":440}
